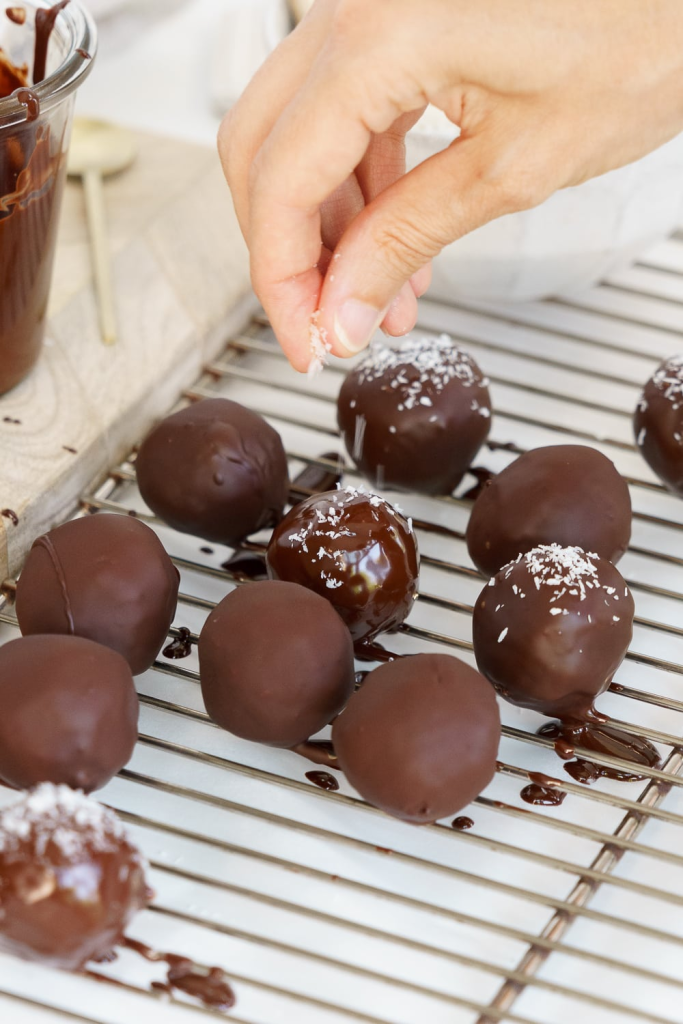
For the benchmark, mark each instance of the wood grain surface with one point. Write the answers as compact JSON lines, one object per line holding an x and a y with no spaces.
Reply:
{"x":181,"y":279}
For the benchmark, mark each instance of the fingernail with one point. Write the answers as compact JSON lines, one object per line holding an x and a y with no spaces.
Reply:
{"x":355,"y":323}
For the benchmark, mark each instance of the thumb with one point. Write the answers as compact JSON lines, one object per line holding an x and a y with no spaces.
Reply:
{"x":405,"y":226}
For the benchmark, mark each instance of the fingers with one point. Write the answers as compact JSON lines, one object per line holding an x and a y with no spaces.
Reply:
{"x":296,"y":170}
{"x":444,"y":198}
{"x":251,"y":120}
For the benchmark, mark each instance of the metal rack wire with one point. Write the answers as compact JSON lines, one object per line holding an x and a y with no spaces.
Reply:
{"x":322,"y":908}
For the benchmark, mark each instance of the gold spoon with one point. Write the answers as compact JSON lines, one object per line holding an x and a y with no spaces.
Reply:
{"x":97,"y":150}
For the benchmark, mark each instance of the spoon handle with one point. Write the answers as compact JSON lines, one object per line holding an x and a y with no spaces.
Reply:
{"x":97,"y":223}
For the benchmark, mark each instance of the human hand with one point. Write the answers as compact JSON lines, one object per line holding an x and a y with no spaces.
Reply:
{"x":547,"y":95}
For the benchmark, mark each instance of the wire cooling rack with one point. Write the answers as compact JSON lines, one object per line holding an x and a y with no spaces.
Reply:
{"x":324,"y":910}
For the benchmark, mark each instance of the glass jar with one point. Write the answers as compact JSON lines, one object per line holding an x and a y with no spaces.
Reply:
{"x":35,"y":127}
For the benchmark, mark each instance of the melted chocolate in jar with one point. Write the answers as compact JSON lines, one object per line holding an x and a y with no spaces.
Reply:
{"x":16,"y":14}
{"x":181,"y":647}
{"x":209,"y":985}
{"x":45,"y":22}
{"x":31,"y":181}
{"x":596,"y":733}
{"x":324,"y":780}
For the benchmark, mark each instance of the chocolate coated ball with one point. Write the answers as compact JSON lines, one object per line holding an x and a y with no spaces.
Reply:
{"x":103,"y":577}
{"x":420,"y":738}
{"x":552,"y":628}
{"x":414,"y":416}
{"x":69,"y":712}
{"x":565,"y":494}
{"x":276,"y":663}
{"x":70,"y":879}
{"x":356,"y":550}
{"x":658,"y":423}
{"x":216,"y":470}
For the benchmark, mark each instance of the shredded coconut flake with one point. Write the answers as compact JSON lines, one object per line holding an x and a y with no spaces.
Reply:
{"x":57,"y":815}
{"x":570,"y":571}
{"x":418,"y":369}
{"x":669,"y":380}
{"x":319,"y":345}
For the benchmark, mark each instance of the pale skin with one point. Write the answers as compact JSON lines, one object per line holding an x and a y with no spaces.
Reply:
{"x":547,"y":93}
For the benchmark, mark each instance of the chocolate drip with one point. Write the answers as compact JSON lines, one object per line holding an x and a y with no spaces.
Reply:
{"x":30,"y":101}
{"x":11,"y":419}
{"x":69,"y":449}
{"x":483,"y":478}
{"x":374,"y":652}
{"x":84,"y":53}
{"x":46,"y":542}
{"x":11,"y":515}
{"x":207,"y":984}
{"x":542,"y":795}
{"x":504,"y":446}
{"x":245,"y":566}
{"x":316,"y":479}
{"x":45,"y":22}
{"x":324,"y":780}
{"x":319,"y":752}
{"x":462,"y":823}
{"x":181,"y":647}
{"x":596,"y":733}
{"x":16,"y":14}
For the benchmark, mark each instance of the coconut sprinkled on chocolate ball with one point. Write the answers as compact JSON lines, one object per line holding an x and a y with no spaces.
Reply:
{"x":70,"y":880}
{"x":551,"y":629}
{"x":658,"y":423}
{"x":414,"y":415}
{"x":355,"y":549}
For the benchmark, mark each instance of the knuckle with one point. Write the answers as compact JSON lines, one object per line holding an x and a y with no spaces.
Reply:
{"x":404,"y":246}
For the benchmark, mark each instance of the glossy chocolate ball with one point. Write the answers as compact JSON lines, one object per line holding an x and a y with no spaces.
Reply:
{"x":414,"y":415}
{"x":565,"y":494}
{"x":276,"y":663}
{"x":658,"y":424}
{"x":69,"y":712}
{"x":420,"y":738}
{"x":356,"y":550}
{"x":70,"y":879}
{"x":103,"y":577}
{"x":551,"y":629}
{"x":216,"y":470}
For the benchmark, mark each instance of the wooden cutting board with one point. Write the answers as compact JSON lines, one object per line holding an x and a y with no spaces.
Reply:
{"x":182,"y":282}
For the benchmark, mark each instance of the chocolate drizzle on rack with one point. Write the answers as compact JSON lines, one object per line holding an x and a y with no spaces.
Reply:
{"x":209,"y":985}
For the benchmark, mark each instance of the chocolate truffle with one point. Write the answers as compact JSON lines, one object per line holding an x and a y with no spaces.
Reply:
{"x":414,"y":416}
{"x":565,"y":494}
{"x":216,"y":470}
{"x":420,"y":738}
{"x":69,"y":712}
{"x":103,"y":577}
{"x":356,"y":550}
{"x":551,"y":629}
{"x":276,"y":663}
{"x":658,"y":423}
{"x":70,"y":879}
